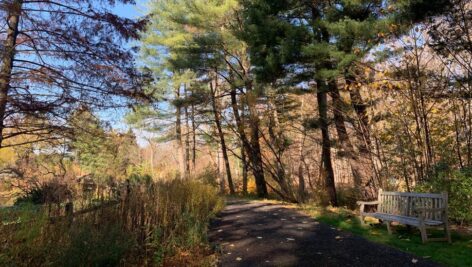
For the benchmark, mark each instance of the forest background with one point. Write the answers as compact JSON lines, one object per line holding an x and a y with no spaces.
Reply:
{"x":306,"y":101}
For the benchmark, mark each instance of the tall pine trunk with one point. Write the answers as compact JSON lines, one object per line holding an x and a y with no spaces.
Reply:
{"x":187,"y":136}
{"x":251,"y":147}
{"x":245,"y":168}
{"x":360,"y":170}
{"x":214,"y":88}
{"x":369,"y":189}
{"x":327,"y":167}
{"x":245,"y":145}
{"x":178,"y":136}
{"x":194,"y":138}
{"x":256,"y":155}
{"x":301,"y":162}
{"x":8,"y":55}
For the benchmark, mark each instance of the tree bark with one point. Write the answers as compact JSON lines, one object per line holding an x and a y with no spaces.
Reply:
{"x":213,"y":88}
{"x":187,"y":136}
{"x":257,"y":164}
{"x":327,"y":167}
{"x":360,"y":169}
{"x":245,"y":145}
{"x":178,"y":135}
{"x":301,"y":164}
{"x":194,"y":138}
{"x":277,"y":145}
{"x":8,"y":56}
{"x":245,"y":168}
{"x":251,"y":147}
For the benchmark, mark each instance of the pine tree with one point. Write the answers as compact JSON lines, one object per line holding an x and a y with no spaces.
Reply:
{"x":199,"y":36}
{"x":321,"y":43}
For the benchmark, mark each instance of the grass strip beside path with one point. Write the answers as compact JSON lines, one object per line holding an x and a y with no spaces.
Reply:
{"x":459,"y":253}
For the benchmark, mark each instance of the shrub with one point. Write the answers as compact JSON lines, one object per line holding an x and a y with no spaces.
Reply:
{"x":48,"y":192}
{"x":458,"y":185}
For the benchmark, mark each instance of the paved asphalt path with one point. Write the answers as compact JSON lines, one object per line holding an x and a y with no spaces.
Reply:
{"x":264,"y":234}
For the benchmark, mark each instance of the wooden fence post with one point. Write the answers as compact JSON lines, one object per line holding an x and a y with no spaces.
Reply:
{"x":69,"y":210}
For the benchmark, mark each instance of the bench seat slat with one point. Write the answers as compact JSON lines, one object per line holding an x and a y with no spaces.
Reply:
{"x":413,"y":221}
{"x":412,"y":194}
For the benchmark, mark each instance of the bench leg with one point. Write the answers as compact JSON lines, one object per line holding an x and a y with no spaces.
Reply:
{"x":389,"y":227}
{"x":361,"y":217}
{"x":448,"y":232}
{"x":424,"y":236}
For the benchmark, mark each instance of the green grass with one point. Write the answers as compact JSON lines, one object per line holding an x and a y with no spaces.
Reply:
{"x":459,"y":253}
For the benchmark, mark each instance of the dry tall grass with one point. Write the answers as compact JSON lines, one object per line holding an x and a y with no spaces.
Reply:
{"x":154,"y":224}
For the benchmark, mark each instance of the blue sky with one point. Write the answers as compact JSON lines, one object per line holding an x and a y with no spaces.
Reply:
{"x":131,"y":11}
{"x":116,"y":116}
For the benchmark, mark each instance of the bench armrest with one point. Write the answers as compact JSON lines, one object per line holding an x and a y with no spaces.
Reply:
{"x":368,"y":202}
{"x":362,"y":204}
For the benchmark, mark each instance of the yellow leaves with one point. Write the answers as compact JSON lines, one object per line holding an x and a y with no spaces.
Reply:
{"x":7,"y":155}
{"x":383,"y":85}
{"x":393,"y":27}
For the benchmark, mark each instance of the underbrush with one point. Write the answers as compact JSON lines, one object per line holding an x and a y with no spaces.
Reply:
{"x":404,"y":238}
{"x":153,"y":224}
{"x":458,"y":185}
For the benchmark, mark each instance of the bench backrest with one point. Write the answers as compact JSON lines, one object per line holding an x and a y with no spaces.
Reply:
{"x":404,"y":203}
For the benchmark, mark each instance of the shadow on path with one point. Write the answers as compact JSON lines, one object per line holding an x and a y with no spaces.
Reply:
{"x":263,"y":234}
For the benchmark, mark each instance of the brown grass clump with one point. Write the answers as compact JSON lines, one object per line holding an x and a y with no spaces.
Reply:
{"x":151,"y":224}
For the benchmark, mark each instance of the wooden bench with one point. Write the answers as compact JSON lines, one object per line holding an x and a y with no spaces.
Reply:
{"x":420,"y":210}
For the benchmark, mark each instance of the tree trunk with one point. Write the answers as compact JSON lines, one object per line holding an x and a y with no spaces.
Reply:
{"x":220,"y":176}
{"x":245,"y":167}
{"x":359,"y":168}
{"x":277,"y":146}
{"x":213,"y":88}
{"x":194,"y":138}
{"x":8,"y":56}
{"x":245,"y":145}
{"x":327,"y":167}
{"x":252,"y":147}
{"x":178,"y":135}
{"x":187,"y":136}
{"x":301,"y":177}
{"x":257,"y":164}
{"x":301,"y":163}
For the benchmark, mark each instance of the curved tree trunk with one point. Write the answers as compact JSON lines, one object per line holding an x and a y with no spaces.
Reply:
{"x":359,"y":168}
{"x":213,"y":88}
{"x":8,"y":55}
{"x":251,"y":147}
